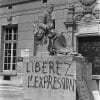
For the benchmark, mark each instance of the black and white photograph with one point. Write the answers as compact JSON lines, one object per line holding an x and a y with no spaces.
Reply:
{"x":49,"y":49}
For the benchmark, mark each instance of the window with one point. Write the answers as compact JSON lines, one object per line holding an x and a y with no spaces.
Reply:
{"x":6,"y":77}
{"x":44,"y":1}
{"x":10,"y":47}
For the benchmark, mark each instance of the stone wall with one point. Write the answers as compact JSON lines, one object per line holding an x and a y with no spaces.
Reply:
{"x":55,"y":77}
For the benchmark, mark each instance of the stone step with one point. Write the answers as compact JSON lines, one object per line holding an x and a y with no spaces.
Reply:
{"x":11,"y":91}
{"x":10,"y":88}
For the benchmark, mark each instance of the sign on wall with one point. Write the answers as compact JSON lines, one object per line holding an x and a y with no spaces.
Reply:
{"x":49,"y":79}
{"x":20,"y":64}
{"x":24,"y":52}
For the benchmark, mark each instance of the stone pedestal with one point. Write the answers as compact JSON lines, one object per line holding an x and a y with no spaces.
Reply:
{"x":53,"y":78}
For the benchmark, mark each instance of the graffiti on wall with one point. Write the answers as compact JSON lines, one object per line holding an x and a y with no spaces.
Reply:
{"x":50,"y":78}
{"x":50,"y":75}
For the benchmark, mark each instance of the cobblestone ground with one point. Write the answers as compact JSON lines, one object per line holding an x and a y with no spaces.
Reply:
{"x":10,"y":92}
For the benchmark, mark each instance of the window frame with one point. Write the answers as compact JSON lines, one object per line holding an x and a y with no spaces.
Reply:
{"x":12,"y":41}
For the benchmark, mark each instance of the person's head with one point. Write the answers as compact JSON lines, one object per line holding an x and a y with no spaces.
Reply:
{"x":50,"y":8}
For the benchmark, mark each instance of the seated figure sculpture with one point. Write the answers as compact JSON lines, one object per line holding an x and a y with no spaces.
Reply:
{"x":46,"y":32}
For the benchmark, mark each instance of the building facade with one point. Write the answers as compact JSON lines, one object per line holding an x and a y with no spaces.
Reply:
{"x":78,"y":20}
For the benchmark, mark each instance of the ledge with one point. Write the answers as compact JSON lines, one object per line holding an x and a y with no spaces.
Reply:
{"x":96,"y":77}
{"x":4,"y":3}
{"x":11,"y":73}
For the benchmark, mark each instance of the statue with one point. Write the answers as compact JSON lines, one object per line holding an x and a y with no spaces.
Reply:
{"x":47,"y":33}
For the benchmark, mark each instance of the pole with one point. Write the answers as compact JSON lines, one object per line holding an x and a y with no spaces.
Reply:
{"x":73,"y":25}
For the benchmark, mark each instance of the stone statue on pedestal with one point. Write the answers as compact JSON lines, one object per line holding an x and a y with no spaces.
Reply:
{"x":47,"y":35}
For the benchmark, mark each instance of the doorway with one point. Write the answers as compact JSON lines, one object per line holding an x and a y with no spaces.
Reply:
{"x":89,"y":47}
